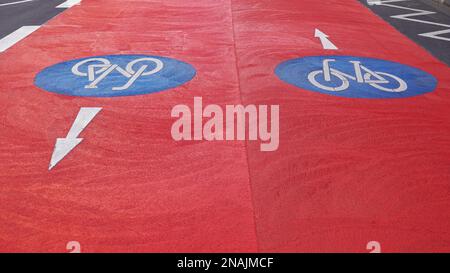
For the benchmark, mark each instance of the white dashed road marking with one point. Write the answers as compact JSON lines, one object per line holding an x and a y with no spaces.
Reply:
{"x":16,"y":36}
{"x":69,"y":4}
{"x":14,"y":3}
{"x":415,"y":13}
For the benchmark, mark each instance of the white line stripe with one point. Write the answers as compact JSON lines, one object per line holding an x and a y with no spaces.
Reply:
{"x":17,"y":2}
{"x":16,"y":36}
{"x":69,"y":4}
{"x":416,"y":12}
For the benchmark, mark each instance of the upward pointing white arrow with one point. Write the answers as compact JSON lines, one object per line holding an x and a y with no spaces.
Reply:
{"x":326,"y":43}
{"x":64,"y":146}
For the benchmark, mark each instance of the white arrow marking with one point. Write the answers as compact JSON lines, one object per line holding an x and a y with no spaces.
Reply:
{"x":326,"y":43}
{"x":64,"y":146}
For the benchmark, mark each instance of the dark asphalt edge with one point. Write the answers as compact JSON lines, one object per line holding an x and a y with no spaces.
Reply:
{"x":41,"y":22}
{"x":443,"y":7}
{"x":403,"y":34}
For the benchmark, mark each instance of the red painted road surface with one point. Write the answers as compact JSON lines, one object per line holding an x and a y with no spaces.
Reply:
{"x":348,"y":171}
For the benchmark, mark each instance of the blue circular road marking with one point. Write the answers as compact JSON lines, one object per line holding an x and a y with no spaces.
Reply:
{"x":115,"y":75}
{"x":378,"y":79}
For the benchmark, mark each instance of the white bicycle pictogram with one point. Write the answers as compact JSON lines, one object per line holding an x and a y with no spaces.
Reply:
{"x":373,"y":78}
{"x":103,"y":67}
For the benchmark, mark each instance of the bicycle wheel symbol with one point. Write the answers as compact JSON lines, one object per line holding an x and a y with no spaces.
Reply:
{"x":115,"y":75}
{"x":159,"y":66}
{"x":103,"y":67}
{"x":379,"y":80}
{"x":402,"y":86}
{"x":312,"y":79}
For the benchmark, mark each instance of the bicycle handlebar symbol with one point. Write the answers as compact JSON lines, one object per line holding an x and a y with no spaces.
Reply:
{"x":103,"y":67}
{"x":373,"y":78}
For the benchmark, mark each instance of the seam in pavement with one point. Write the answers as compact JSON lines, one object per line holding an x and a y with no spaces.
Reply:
{"x":246,"y":141}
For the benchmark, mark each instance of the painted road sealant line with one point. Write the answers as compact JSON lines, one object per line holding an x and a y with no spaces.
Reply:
{"x":16,"y":36}
{"x":69,"y":4}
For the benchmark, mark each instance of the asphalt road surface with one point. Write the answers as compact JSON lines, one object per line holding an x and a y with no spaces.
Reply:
{"x":427,"y":25}
{"x":33,"y":13}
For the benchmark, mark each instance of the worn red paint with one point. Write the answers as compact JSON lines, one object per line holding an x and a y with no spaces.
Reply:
{"x":347,"y":171}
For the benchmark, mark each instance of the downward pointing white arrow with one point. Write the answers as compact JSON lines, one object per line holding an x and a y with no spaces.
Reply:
{"x":326,"y":43}
{"x":64,"y":146}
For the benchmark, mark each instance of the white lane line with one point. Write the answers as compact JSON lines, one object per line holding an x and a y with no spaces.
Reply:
{"x":14,"y":3}
{"x":24,"y":31}
{"x":415,"y":13}
{"x":69,"y":4}
{"x":16,"y":36}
